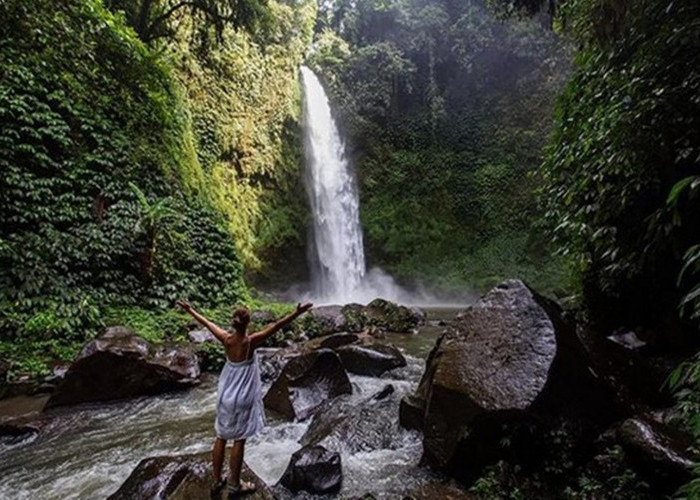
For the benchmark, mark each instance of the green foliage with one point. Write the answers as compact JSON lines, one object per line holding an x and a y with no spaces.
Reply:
{"x":152,"y":19}
{"x":685,"y":382}
{"x":447,"y":109}
{"x":626,"y":134}
{"x":98,"y":158}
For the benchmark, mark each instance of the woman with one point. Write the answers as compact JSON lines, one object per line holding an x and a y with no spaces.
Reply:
{"x":239,"y":409}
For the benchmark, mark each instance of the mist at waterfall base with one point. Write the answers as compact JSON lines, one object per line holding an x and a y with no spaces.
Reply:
{"x":335,"y":250}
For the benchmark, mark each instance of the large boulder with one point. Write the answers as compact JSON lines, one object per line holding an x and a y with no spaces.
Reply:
{"x":315,"y":470}
{"x":370,"y":359}
{"x":508,"y":367}
{"x":392,"y":317}
{"x":306,"y":382}
{"x":183,"y":477}
{"x":660,"y":453}
{"x":119,"y":364}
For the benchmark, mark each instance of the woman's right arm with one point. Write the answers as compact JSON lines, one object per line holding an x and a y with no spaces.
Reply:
{"x":218,"y":332}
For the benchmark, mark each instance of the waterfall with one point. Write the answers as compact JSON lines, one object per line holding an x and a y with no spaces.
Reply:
{"x":336,"y":255}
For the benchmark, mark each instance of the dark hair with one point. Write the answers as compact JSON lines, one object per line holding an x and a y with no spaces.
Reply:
{"x":240,"y":319}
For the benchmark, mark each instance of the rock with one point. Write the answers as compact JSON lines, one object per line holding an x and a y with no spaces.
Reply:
{"x":313,"y":469}
{"x":628,"y":340}
{"x":272,"y":360}
{"x":329,"y":319}
{"x":509,"y":367}
{"x":393,"y":317}
{"x":386,"y":391}
{"x":307,"y":381}
{"x":14,"y":434}
{"x":119,"y":364}
{"x":201,"y":336}
{"x":660,"y":453}
{"x":370,"y":359}
{"x":262,"y":317}
{"x":338,"y":339}
{"x":365,"y":426}
{"x":411,"y":412}
{"x":181,"y":477}
{"x":355,"y":318}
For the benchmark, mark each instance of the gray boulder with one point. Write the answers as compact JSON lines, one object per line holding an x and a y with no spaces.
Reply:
{"x":315,"y":470}
{"x":306,"y":382}
{"x":508,"y":367}
{"x":181,"y":477}
{"x":119,"y":364}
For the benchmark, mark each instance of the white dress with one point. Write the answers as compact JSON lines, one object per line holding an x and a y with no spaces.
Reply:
{"x":239,"y":410}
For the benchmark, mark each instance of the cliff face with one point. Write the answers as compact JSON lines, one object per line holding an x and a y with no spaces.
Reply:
{"x":243,"y":97}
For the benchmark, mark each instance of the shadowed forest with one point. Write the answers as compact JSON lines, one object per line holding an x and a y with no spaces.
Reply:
{"x":544,"y":155}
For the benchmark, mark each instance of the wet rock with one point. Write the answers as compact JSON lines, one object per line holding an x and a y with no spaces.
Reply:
{"x":119,"y":364}
{"x":14,"y":434}
{"x":355,"y":317}
{"x":367,"y":426}
{"x":338,"y":339}
{"x":660,"y":453}
{"x":386,"y":391}
{"x":329,"y":319}
{"x":510,"y":365}
{"x":392,"y":317}
{"x":370,"y":359}
{"x":201,"y":336}
{"x":411,"y":412}
{"x":180,"y":477}
{"x":306,"y":382}
{"x":272,"y":360}
{"x":315,"y":470}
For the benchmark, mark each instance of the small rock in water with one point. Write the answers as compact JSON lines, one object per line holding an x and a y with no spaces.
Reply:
{"x":387,"y":391}
{"x":313,"y":469}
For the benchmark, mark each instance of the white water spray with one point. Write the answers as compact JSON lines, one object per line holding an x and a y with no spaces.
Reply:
{"x":336,"y":254}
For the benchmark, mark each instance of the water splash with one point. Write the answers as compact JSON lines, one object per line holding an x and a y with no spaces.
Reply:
{"x":336,"y":254}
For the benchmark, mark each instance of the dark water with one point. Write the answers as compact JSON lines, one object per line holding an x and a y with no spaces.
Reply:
{"x":103,"y":444}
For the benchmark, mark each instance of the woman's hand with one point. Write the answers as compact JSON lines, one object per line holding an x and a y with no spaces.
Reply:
{"x":301,"y":309}
{"x":184,"y":305}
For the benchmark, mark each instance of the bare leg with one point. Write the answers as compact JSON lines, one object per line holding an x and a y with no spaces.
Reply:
{"x":236,"y":461}
{"x":217,"y":457}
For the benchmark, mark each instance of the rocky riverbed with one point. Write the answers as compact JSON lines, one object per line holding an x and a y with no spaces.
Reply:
{"x":95,"y":447}
{"x":508,"y":394}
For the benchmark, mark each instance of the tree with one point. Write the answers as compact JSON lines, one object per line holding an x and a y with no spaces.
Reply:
{"x":151,"y":18}
{"x":151,"y":224}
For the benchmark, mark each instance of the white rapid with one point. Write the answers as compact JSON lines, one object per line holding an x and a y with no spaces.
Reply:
{"x":336,"y":254}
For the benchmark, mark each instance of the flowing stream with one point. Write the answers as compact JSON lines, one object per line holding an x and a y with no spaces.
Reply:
{"x":93,"y":456}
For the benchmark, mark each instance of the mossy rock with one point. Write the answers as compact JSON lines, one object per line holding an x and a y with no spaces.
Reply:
{"x":392,"y":317}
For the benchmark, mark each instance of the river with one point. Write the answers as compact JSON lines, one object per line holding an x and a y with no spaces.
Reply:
{"x":103,"y":444}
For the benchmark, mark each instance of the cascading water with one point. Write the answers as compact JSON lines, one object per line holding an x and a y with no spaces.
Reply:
{"x":336,"y":254}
